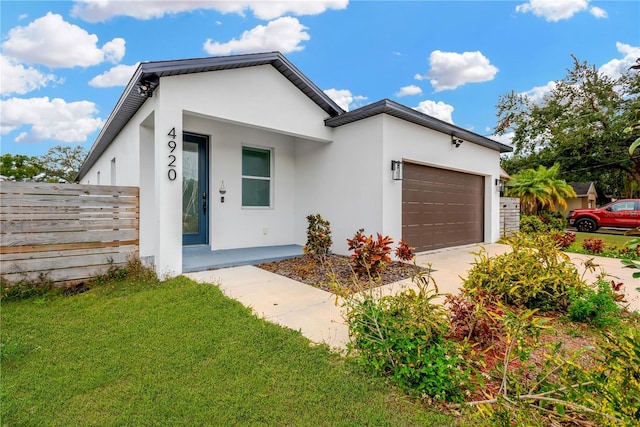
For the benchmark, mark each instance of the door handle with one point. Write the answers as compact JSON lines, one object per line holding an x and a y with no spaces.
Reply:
{"x":204,"y":203}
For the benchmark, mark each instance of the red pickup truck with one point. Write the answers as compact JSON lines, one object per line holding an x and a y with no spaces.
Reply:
{"x":623,"y":213}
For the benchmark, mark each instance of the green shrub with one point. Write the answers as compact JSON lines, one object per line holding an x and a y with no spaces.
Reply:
{"x":614,"y":391}
{"x":543,"y":222}
{"x":26,"y":288}
{"x":619,"y":378}
{"x":596,"y":307}
{"x":554,"y":221}
{"x":532,"y":224}
{"x":535,"y":274}
{"x":403,"y":336}
{"x":318,"y":236}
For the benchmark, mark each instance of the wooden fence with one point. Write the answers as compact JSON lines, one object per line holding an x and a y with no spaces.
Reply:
{"x":66,"y":232}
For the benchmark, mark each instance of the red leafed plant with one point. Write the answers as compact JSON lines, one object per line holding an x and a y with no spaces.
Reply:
{"x":593,"y":245}
{"x":564,"y":240}
{"x":404,"y":251}
{"x":370,"y":256}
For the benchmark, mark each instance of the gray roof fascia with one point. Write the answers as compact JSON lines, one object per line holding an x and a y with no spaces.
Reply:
{"x":387,"y":106}
{"x":125,"y":108}
{"x":130,"y":100}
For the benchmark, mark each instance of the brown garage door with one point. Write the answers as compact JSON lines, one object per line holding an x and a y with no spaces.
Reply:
{"x":441,"y":208}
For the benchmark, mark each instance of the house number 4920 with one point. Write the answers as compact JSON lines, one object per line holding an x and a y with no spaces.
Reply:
{"x":171,"y":173}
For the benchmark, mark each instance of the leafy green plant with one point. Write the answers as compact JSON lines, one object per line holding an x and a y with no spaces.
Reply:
{"x":617,"y":377}
{"x":593,"y":245}
{"x":370,"y":256}
{"x":598,"y":307}
{"x":555,"y":221}
{"x":633,"y":244}
{"x":26,"y":288}
{"x":318,"y":236}
{"x":404,"y":337}
{"x":534,"y":274}
{"x":532,"y":224}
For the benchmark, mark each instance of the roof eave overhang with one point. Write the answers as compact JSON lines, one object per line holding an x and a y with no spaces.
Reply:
{"x":130,"y":101}
{"x":400,"y":111}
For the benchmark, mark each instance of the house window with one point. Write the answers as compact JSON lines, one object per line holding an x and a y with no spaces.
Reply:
{"x":256,"y":177}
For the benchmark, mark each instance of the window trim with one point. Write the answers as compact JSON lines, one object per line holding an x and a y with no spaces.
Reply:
{"x":270,"y":150}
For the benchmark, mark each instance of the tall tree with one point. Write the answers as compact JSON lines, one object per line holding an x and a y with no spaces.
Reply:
{"x":580,"y":123}
{"x":62,"y":163}
{"x":21,"y":168}
{"x":540,"y":188}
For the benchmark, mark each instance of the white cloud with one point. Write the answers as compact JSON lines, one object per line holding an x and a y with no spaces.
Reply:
{"x":114,"y":50}
{"x":439,"y":110}
{"x":506,"y":138}
{"x":616,"y":67}
{"x":274,"y":9}
{"x":98,"y":11}
{"x":344,"y":98}
{"x":450,"y":69}
{"x":537,"y":94}
{"x":598,"y":12}
{"x":116,"y":76}
{"x":53,"y":42}
{"x":556,"y":10}
{"x":18,"y":79}
{"x":408,"y":90}
{"x":284,"y":34}
{"x":49,"y":119}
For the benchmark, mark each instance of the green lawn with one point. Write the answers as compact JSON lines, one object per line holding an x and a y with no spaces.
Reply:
{"x":609,"y":239}
{"x":617,"y":240}
{"x":177,"y":353}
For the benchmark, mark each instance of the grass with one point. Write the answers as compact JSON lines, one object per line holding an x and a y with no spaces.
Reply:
{"x":609,"y":239}
{"x":132,"y":352}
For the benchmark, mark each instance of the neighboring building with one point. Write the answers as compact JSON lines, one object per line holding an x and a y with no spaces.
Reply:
{"x":236,"y":151}
{"x":586,"y":196}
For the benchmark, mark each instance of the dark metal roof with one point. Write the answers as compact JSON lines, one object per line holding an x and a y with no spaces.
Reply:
{"x":386,"y":106}
{"x":582,"y":188}
{"x":130,"y":100}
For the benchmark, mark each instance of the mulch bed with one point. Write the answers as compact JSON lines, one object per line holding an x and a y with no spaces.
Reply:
{"x":337,"y":269}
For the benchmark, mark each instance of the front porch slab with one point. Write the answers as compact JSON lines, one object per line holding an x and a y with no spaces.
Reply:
{"x":201,"y":257}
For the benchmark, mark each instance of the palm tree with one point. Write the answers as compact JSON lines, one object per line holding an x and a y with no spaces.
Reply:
{"x":540,"y":188}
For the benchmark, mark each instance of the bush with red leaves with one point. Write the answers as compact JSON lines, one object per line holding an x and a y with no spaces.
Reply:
{"x":593,"y":245}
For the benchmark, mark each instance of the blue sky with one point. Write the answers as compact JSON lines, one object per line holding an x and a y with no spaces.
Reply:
{"x":64,"y":64}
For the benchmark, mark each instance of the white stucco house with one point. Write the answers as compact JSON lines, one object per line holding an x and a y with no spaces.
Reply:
{"x":236,"y":151}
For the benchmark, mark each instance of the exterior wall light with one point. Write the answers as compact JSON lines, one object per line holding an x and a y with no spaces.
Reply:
{"x":396,"y":170}
{"x":147,"y":84}
{"x":222,"y":191}
{"x":456,"y":142}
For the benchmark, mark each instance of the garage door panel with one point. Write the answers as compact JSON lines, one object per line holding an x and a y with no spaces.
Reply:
{"x":441,"y":208}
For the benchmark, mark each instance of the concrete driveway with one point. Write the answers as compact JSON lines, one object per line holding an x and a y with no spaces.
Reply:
{"x":318,"y":317}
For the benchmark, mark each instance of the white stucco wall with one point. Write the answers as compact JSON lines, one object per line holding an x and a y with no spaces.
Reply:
{"x":351,"y":179}
{"x":342,"y":181}
{"x":258,"y":97}
{"x":409,"y":142}
{"x":231,"y":225}
{"x":343,"y":173}
{"x":125,"y":149}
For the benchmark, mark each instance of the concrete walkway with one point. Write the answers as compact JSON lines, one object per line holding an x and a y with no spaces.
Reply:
{"x":315,"y":314}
